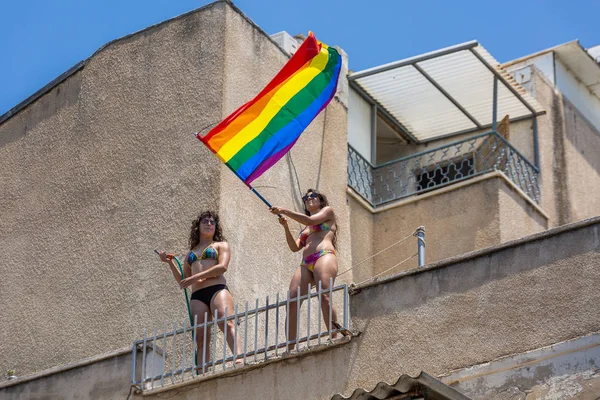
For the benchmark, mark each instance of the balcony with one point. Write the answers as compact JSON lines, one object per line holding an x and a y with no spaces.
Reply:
{"x":440,"y":167}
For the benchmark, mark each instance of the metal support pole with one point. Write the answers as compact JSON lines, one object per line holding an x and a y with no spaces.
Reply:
{"x":373,"y":159}
{"x":536,"y":146}
{"x":421,"y":245}
{"x":495,"y":105}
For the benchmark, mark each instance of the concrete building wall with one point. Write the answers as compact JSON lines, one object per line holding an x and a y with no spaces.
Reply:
{"x":450,"y":315}
{"x":551,"y":128}
{"x":102,"y":377}
{"x":478,"y":307}
{"x":103,"y":169}
{"x":472,"y":215}
{"x":565,"y":370}
{"x":569,"y":177}
{"x":362,"y":239}
{"x":582,"y":153}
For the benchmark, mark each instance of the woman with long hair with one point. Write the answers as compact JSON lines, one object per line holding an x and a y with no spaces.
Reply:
{"x":318,"y":244}
{"x":204,"y":267}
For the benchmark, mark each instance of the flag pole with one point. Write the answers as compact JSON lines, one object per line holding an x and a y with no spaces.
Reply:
{"x":197,"y":135}
{"x":263,"y":199}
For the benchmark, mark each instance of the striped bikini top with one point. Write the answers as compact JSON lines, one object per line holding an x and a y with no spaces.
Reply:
{"x":210,"y":252}
{"x":312,"y":229}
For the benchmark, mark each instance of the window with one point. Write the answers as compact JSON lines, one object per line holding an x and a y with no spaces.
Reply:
{"x":445,"y":172}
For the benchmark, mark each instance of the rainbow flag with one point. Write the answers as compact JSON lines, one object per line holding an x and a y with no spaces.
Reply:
{"x":259,"y":133}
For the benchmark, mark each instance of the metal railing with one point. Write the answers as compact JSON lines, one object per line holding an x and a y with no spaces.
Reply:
{"x":439,"y":167}
{"x":173,"y":354}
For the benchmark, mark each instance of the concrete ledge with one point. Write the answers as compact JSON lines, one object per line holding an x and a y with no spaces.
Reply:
{"x":66,"y":367}
{"x":446,"y":189}
{"x":483,"y":252}
{"x":247,"y":368}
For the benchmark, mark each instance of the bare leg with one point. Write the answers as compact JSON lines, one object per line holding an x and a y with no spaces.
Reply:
{"x":199,"y":308}
{"x":221,"y":301}
{"x":326,"y":268}
{"x":302,"y":277}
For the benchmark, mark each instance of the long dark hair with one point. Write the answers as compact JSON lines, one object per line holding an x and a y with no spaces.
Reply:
{"x":324,"y":203}
{"x":195,"y":230}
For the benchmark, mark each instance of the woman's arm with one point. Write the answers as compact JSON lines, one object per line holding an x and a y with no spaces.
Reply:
{"x":324,"y":214}
{"x":293,"y":243}
{"x":174,"y":269}
{"x":212,"y":272}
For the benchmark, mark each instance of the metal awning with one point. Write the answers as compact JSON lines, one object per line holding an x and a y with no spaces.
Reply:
{"x":407,"y":387}
{"x":444,"y":93}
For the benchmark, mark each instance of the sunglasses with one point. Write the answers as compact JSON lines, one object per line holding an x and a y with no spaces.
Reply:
{"x":207,"y":221}
{"x":312,"y":195}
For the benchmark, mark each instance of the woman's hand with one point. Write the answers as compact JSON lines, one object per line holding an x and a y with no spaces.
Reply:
{"x":283,"y":221}
{"x":277,"y":210}
{"x":163,"y":256}
{"x":187,"y":282}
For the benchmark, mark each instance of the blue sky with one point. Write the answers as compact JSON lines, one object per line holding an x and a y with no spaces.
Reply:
{"x":42,"y":39}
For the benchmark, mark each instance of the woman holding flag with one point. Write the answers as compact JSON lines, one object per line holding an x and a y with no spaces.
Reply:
{"x":204,"y":267}
{"x":317,"y":242}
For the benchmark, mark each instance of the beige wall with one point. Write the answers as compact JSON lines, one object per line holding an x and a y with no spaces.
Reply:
{"x":97,"y":182}
{"x":476,"y":308}
{"x":103,"y":377}
{"x":103,"y":169}
{"x":569,"y":145}
{"x":362,"y":240}
{"x":472,"y":215}
{"x":582,"y":151}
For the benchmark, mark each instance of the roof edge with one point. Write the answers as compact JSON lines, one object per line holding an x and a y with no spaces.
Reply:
{"x":537,"y":54}
{"x":412,"y":60}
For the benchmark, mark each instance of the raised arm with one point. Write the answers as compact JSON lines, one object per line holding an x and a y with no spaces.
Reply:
{"x":324,"y":214}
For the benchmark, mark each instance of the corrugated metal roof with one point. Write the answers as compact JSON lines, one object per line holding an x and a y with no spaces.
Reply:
{"x":423,"y":385}
{"x":446,"y":92}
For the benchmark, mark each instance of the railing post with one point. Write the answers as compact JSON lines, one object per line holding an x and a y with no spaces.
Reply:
{"x":420,"y":234}
{"x":133,"y":363}
{"x":536,"y":146}
{"x":495,"y":105}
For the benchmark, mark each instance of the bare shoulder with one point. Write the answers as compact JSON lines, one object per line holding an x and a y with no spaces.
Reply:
{"x":222,"y":246}
{"x":328,"y":211}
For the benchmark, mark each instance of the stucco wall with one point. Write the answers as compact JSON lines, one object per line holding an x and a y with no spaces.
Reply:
{"x":463,"y":217}
{"x":103,"y":169}
{"x":362,"y":240}
{"x":517,"y":217}
{"x":520,"y":296}
{"x":96,"y":183}
{"x":582,"y":151}
{"x":106,"y":377}
{"x":551,"y":129}
{"x":570,"y":171}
